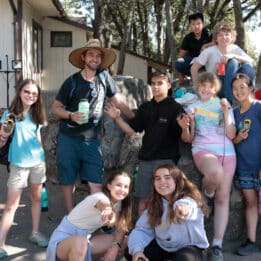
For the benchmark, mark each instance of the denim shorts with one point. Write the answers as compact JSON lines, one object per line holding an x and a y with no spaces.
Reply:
{"x":247,"y":180}
{"x":19,"y":176}
{"x":81,"y":157}
{"x":144,"y":177}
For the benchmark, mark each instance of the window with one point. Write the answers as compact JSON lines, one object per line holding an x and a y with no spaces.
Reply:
{"x":61,"y":39}
{"x":37,"y":47}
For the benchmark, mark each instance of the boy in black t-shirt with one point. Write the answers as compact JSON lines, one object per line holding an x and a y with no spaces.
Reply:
{"x":162,"y":131}
{"x":193,"y":43}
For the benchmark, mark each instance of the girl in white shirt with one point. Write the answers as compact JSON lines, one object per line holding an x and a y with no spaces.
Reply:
{"x":73,"y":240}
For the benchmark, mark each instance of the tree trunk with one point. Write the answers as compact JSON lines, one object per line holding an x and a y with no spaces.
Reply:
{"x":258,"y":69}
{"x":170,"y":33}
{"x":239,"y":24}
{"x":158,"y":10}
{"x":98,"y":21}
{"x":124,"y":41}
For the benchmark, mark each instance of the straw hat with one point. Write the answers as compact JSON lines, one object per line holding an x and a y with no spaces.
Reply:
{"x":108,"y":57}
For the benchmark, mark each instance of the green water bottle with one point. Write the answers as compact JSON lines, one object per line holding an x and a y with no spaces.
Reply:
{"x":44,"y":199}
{"x":84,"y":107}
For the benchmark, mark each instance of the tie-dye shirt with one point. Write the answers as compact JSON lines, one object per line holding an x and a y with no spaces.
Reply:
{"x":210,"y":129}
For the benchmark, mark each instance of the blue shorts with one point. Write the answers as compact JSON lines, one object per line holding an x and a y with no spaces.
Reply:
{"x":247,"y":180}
{"x":144,"y":177}
{"x":64,"y":230}
{"x":77,"y":156}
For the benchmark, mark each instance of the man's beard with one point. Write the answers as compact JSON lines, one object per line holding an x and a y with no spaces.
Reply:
{"x":92,"y":67}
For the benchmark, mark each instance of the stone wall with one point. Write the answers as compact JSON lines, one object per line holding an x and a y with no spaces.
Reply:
{"x":121,"y":150}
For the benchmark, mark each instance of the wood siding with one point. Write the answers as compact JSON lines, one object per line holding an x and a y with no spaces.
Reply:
{"x":56,"y":65}
{"x":6,"y":48}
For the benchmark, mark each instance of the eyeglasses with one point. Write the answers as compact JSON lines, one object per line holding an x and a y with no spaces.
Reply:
{"x":34,"y":94}
{"x":93,"y":89}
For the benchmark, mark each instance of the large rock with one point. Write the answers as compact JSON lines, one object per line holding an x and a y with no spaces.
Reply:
{"x":118,"y":149}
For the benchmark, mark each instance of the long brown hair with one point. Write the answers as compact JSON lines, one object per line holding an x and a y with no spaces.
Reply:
{"x":124,"y":219}
{"x":184,"y":188}
{"x":37,"y":111}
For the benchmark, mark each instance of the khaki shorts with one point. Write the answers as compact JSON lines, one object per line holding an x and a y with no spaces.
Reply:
{"x":18,"y":176}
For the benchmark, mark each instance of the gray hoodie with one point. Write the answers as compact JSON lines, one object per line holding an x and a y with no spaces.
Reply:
{"x":170,"y":236}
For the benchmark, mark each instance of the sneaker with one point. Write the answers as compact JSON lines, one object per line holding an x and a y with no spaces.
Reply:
{"x":216,"y":254}
{"x":247,"y":248}
{"x":3,"y":253}
{"x":39,"y":239}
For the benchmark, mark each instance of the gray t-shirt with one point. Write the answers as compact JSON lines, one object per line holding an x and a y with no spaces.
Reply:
{"x":211,"y":57}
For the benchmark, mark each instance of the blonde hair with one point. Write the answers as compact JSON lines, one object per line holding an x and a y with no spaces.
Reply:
{"x":209,"y":77}
{"x":224,"y":27}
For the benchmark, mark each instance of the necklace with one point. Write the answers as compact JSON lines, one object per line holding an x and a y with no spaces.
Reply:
{"x":86,"y":77}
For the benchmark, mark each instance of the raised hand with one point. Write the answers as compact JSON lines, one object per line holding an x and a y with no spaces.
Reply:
{"x":112,"y":110}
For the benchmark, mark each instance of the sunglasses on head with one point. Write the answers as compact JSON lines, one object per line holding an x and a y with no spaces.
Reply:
{"x":243,"y":76}
{"x":161,"y":73}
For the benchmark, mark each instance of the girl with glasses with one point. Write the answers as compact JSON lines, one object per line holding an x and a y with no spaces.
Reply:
{"x":26,"y":157}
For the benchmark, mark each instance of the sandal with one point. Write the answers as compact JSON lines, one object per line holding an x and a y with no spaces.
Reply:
{"x":3,"y":253}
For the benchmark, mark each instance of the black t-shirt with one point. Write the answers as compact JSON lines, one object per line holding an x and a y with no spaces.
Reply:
{"x":76,"y":88}
{"x":193,"y":45}
{"x":161,"y":130}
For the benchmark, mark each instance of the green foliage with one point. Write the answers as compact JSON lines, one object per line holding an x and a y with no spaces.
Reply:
{"x":149,"y":17}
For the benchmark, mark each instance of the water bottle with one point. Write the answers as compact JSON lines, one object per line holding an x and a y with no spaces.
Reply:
{"x":44,"y":199}
{"x":259,"y":201}
{"x":9,"y":123}
{"x":84,"y":107}
{"x":180,"y":92}
{"x":9,"y":126}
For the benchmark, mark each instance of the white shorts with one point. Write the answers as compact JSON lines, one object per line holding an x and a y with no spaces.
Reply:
{"x":18,"y":176}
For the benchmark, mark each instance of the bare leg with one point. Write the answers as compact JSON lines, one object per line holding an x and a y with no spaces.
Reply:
{"x":251,"y":213}
{"x":68,"y":191}
{"x":72,"y":248}
{"x":212,"y":172}
{"x":221,"y":213}
{"x":100,"y":244}
{"x":95,"y":187}
{"x":13,"y":199}
{"x":35,"y":193}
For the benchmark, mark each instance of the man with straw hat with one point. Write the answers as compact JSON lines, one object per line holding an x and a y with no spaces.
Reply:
{"x":78,"y":147}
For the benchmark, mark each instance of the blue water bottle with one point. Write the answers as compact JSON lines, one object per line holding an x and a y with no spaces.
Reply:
{"x":44,"y":199}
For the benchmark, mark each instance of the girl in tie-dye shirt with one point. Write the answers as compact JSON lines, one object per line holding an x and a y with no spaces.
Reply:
{"x":211,"y":127}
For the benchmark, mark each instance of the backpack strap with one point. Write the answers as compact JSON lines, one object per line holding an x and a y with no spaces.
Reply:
{"x":73,"y":87}
{"x":101,"y":76}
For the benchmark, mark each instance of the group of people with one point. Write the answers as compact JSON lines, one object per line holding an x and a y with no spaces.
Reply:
{"x":213,"y":52}
{"x":171,"y":208}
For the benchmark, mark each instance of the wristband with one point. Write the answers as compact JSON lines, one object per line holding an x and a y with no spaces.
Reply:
{"x":70,"y":116}
{"x":117,"y":244}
